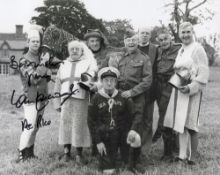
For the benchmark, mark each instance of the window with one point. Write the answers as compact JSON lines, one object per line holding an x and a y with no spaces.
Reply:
{"x":5,"y":51}
{"x":4,"y":69}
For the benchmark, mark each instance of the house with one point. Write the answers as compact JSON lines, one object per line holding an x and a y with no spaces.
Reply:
{"x":11,"y":44}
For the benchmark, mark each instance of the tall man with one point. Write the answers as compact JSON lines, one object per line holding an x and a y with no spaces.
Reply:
{"x":144,"y":35}
{"x":135,"y":78}
{"x":167,"y":53}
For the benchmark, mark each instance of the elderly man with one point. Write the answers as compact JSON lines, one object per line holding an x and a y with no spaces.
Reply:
{"x":135,"y":78}
{"x":166,"y":57}
{"x":144,"y":35}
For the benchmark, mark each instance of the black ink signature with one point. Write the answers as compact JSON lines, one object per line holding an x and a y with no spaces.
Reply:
{"x":23,"y":99}
{"x":17,"y":65}
{"x":40,"y":123}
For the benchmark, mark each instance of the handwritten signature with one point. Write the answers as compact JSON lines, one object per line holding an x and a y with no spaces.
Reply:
{"x":23,"y":99}
{"x":17,"y":65}
{"x":40,"y":123}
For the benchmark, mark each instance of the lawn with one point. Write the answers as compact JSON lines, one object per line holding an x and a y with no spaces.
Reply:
{"x":48,"y":150}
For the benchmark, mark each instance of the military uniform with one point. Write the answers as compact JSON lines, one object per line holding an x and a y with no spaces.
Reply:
{"x":136,"y":76}
{"x":164,"y":64}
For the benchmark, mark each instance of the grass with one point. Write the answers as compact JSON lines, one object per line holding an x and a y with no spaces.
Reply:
{"x":48,"y":149}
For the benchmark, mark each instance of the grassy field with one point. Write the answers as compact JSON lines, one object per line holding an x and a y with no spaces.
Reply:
{"x":48,"y":149}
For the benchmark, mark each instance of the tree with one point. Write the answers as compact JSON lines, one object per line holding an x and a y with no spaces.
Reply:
{"x":115,"y":31}
{"x":70,"y":15}
{"x":187,"y":10}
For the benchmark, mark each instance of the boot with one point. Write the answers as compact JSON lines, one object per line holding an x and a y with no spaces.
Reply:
{"x":168,"y":145}
{"x":31,"y":152}
{"x":134,"y":155}
{"x":22,"y":155}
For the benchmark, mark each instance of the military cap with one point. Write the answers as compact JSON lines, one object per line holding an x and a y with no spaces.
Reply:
{"x":129,"y":33}
{"x":108,"y":72}
{"x":93,"y":33}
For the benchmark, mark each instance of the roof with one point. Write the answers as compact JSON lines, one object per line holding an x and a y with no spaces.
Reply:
{"x":4,"y":60}
{"x":14,"y":44}
{"x":12,"y":36}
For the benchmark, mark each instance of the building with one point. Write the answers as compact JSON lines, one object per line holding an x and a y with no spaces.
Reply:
{"x":11,"y":44}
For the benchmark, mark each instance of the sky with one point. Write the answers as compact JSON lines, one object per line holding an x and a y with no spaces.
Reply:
{"x":140,"y":12}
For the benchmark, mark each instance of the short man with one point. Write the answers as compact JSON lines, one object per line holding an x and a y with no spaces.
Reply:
{"x":166,"y":57}
{"x":111,"y":116}
{"x":144,"y":35}
{"x":135,"y":78}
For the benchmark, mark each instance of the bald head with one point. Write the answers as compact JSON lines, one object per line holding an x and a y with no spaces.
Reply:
{"x":144,"y":35}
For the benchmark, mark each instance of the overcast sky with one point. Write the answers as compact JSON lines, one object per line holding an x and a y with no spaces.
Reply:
{"x":140,"y":12}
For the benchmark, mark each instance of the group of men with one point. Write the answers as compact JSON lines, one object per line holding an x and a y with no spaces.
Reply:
{"x":144,"y":71}
{"x":140,"y":72}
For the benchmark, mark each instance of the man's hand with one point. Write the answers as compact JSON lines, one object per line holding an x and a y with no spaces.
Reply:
{"x":126,"y":94}
{"x":184,"y":89}
{"x":101,"y":149}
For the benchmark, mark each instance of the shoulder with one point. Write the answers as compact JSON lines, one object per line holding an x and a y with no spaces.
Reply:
{"x":176,"y":46}
{"x":153,"y":46}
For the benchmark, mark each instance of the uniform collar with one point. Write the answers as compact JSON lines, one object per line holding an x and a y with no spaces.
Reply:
{"x":104,"y":94}
{"x":128,"y":53}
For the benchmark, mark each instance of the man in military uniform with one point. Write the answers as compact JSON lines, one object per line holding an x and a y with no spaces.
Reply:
{"x":166,"y":57}
{"x":134,"y":80}
{"x":144,"y":35}
{"x":98,"y":44}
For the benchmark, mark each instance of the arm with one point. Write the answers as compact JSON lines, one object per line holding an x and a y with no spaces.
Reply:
{"x":33,"y":75}
{"x":201,"y":60}
{"x":57,"y":89}
{"x":93,"y":68}
{"x":146,"y":79}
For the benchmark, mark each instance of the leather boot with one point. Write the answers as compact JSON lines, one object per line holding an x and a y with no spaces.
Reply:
{"x":31,"y":152}
{"x":22,"y":155}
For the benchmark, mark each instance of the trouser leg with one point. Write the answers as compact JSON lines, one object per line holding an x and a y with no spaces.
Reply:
{"x":183,"y":144}
{"x":124,"y":147}
{"x":168,"y":141}
{"x":163,"y":96}
{"x":134,"y":154}
{"x":194,"y":144}
{"x":28,"y":136}
{"x":108,"y":161}
{"x":147,"y":127}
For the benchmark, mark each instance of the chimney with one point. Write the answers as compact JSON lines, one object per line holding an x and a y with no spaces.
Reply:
{"x":19,"y":30}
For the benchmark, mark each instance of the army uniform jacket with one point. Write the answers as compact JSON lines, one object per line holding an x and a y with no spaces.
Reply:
{"x":135,"y":71}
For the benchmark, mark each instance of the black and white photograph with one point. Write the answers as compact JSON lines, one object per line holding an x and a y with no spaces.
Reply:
{"x":110,"y":87}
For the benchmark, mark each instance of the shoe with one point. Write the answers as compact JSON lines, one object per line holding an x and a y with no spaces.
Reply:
{"x":65,"y":157}
{"x":22,"y":155}
{"x":191,"y":162}
{"x":167,"y":158}
{"x":31,"y":152}
{"x":80,"y":160}
{"x":157,"y":135}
